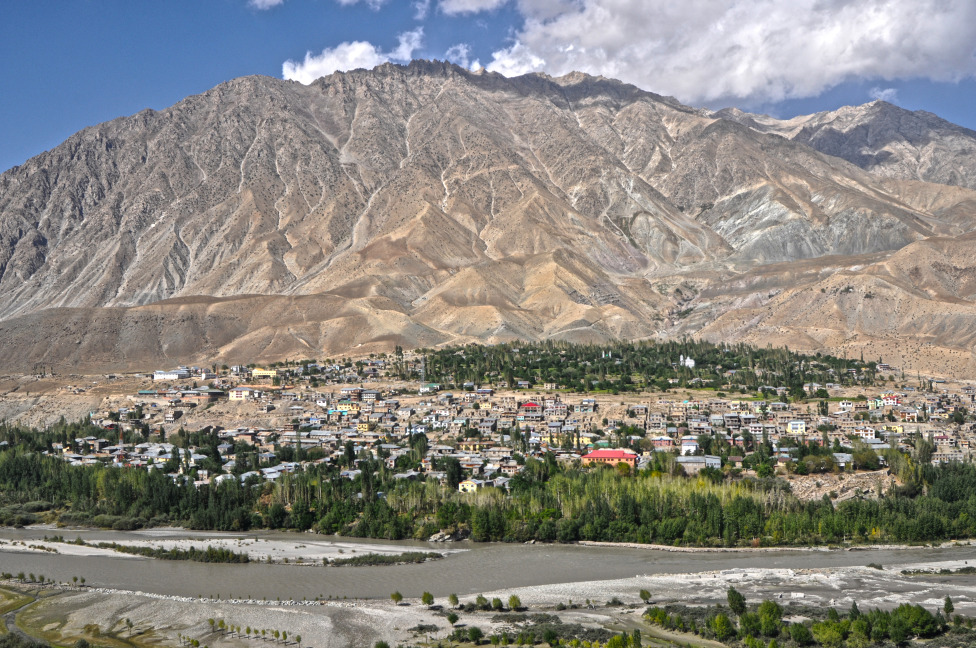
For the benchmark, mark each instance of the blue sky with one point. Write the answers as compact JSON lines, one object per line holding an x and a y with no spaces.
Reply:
{"x":68,"y":64}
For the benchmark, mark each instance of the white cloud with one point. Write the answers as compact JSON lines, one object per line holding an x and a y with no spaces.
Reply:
{"x":458,"y":54}
{"x":420,"y":9}
{"x":750,"y":51}
{"x":455,"y":7}
{"x":265,"y":4}
{"x":372,"y":4}
{"x":351,"y":56}
{"x":884,"y":94}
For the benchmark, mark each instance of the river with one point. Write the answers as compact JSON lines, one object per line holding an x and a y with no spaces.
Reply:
{"x":475,"y":568}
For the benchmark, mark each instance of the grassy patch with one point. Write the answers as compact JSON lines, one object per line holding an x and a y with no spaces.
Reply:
{"x":11,"y":600}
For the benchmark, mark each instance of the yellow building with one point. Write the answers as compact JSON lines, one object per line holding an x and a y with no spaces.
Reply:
{"x":264,"y":373}
{"x":470,"y":485}
{"x":347,"y":406}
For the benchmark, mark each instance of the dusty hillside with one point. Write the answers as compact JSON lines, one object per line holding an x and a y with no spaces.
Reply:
{"x":423,"y":204}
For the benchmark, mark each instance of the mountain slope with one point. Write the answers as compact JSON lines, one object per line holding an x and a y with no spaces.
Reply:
{"x":417,"y":205}
{"x":881,"y":138}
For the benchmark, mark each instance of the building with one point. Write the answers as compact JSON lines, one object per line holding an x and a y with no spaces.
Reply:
{"x":693,"y":465}
{"x":243,"y":394}
{"x":176,"y":374}
{"x":470,"y":485}
{"x":612,"y":457}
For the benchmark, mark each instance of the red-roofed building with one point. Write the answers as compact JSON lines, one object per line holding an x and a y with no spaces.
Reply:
{"x":612,"y":457}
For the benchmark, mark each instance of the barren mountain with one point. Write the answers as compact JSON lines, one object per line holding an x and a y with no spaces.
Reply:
{"x":423,"y":204}
{"x":881,"y":138}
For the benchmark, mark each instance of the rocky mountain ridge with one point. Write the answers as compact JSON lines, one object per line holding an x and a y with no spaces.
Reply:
{"x":425,"y":203}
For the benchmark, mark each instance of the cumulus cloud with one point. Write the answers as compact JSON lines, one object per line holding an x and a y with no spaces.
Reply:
{"x":265,"y":4}
{"x":458,"y":54}
{"x":455,"y":7}
{"x":750,"y":51}
{"x":351,"y":56}
{"x":884,"y":94}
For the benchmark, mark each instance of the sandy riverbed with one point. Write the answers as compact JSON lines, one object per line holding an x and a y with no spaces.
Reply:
{"x":299,"y":550}
{"x":327,"y":624}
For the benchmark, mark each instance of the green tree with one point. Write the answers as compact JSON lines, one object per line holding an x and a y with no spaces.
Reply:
{"x":514,"y":602}
{"x":800,"y":634}
{"x":396,"y":597}
{"x":452,"y":618}
{"x":722,"y":627}
{"x":475,"y":634}
{"x":645,"y":596}
{"x":770,"y":615}
{"x":452,"y":600}
{"x":948,"y":607}
{"x":737,"y":602}
{"x":427,"y":599}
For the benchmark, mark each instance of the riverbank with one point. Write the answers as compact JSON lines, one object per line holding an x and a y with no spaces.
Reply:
{"x":805,"y":549}
{"x":292,"y":549}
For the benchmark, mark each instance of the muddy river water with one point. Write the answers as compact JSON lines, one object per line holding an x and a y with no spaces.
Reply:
{"x":471,"y":568}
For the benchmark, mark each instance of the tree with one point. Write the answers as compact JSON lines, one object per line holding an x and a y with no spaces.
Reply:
{"x":722,"y":627}
{"x":452,"y":618}
{"x":396,"y":597}
{"x":514,"y":602}
{"x":770,"y":615}
{"x":475,"y":634}
{"x":381,"y":644}
{"x":453,"y":470}
{"x":800,"y":634}
{"x":645,"y":596}
{"x":453,"y":600}
{"x":298,"y":640}
{"x":737,"y":602}
{"x":855,"y":613}
{"x":948,"y":607}
{"x":427,"y":599}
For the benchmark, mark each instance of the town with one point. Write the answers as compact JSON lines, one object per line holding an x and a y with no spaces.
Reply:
{"x":271,"y":420}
